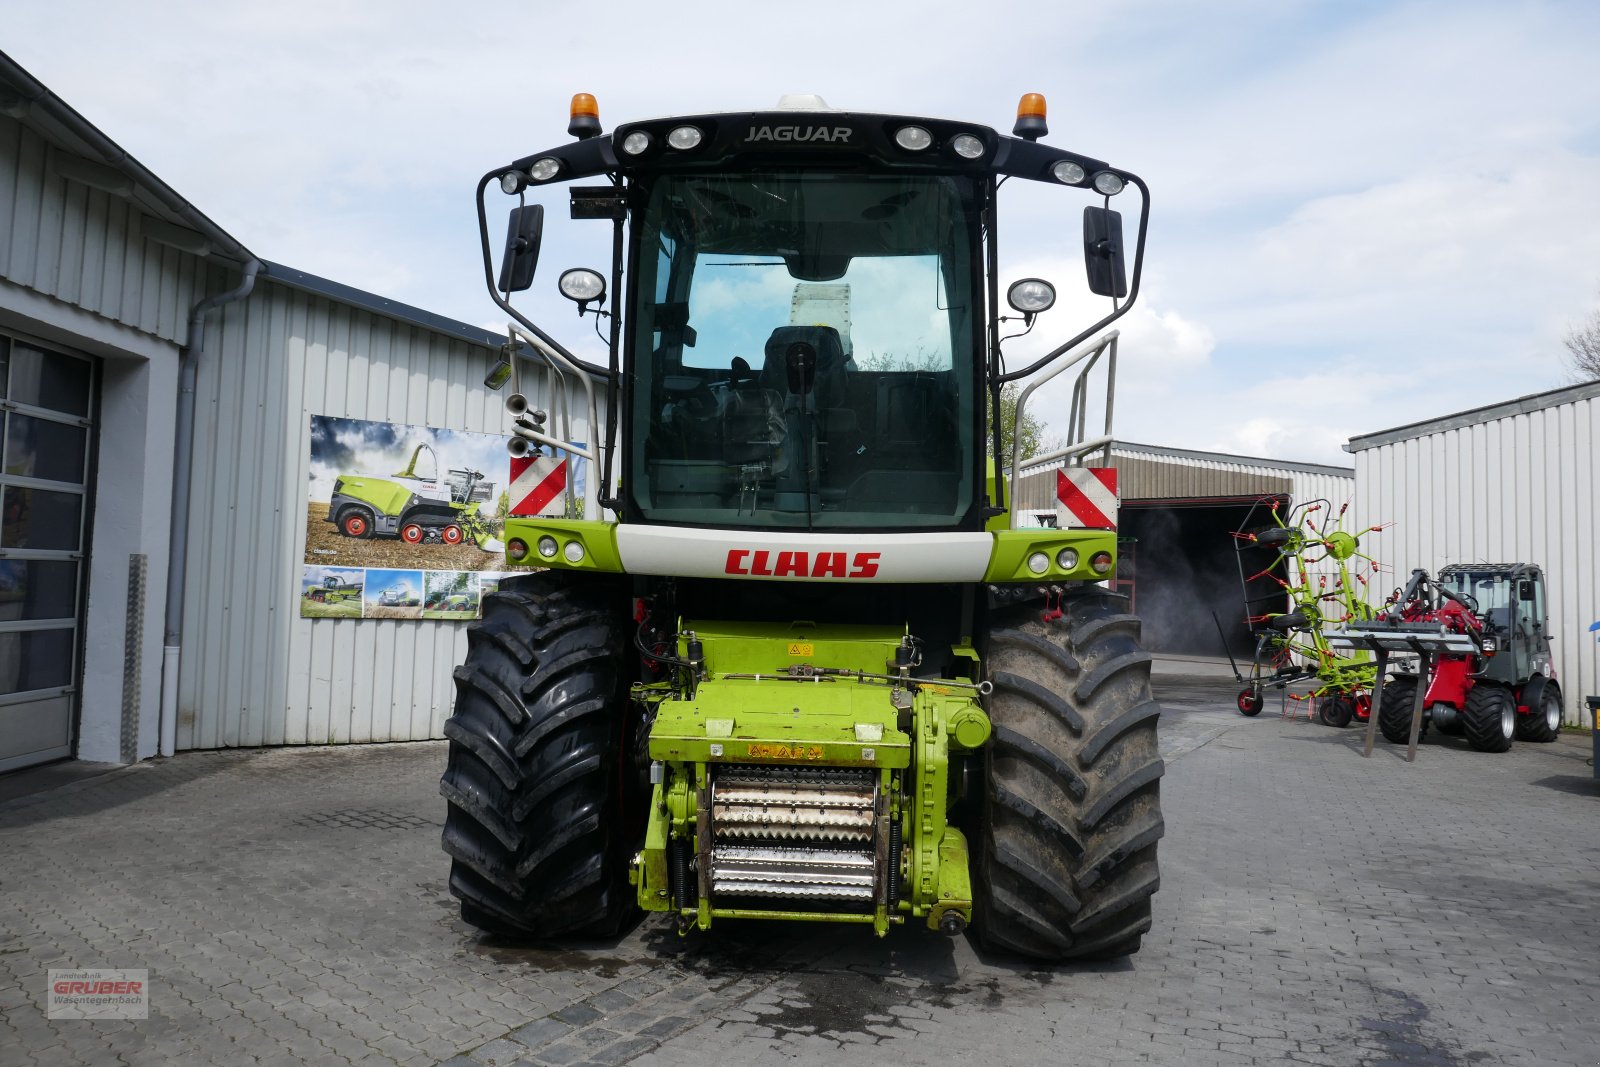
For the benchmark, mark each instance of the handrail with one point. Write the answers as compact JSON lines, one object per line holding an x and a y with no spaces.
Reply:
{"x":560,"y":388}
{"x":1077,"y":418}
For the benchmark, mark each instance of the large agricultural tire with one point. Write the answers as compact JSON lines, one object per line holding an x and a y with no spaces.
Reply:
{"x":1072,"y":804}
{"x":534,"y":827}
{"x":1543,"y":723}
{"x":1489,"y":719}
{"x":1394,"y":717}
{"x":356,"y":522}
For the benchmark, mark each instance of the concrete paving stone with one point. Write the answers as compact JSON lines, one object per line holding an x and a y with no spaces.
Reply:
{"x":562,"y":1054}
{"x":541,"y":1032}
{"x":612,"y":1000}
{"x":498,"y":1053}
{"x":622,"y":1052}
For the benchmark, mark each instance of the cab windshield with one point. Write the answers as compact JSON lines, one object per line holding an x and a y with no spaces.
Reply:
{"x":803,"y":350}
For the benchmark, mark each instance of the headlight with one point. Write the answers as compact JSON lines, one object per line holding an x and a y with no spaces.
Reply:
{"x":545,"y":169}
{"x":1067,"y":172}
{"x":685,"y":137}
{"x":967,"y":146}
{"x":547,"y":547}
{"x":913,"y":138}
{"x":1490,"y":645}
{"x":516,"y":548}
{"x":1038,"y":563}
{"x":1067,"y":559}
{"x":1031,"y":295}
{"x":513,"y":182}
{"x":1100,"y":563}
{"x":581,"y":284}
{"x":636,"y":142}
{"x":573,"y":552}
{"x":1108,"y":183}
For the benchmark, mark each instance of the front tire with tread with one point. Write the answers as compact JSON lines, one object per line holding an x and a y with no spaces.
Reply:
{"x":1394,"y":717}
{"x":1484,"y":720}
{"x":533,"y":828}
{"x":1067,"y":861}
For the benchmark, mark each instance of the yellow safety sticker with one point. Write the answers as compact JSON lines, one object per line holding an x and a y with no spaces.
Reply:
{"x":766,"y":751}
{"x":802,"y":648}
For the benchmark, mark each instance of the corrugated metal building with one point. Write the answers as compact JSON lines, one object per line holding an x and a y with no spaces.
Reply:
{"x":1507,"y":483}
{"x":104,"y":276}
{"x":1179,"y":509}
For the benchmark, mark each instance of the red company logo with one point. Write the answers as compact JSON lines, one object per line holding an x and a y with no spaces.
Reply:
{"x":98,"y":989}
{"x":760,"y":563}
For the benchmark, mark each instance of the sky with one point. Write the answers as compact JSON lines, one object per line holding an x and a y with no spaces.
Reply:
{"x":1363,"y":214}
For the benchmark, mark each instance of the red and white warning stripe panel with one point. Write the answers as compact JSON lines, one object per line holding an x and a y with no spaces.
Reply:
{"x":537,"y":483}
{"x":1086,"y":498}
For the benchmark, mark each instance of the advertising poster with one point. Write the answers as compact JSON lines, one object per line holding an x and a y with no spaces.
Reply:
{"x":403,"y":522}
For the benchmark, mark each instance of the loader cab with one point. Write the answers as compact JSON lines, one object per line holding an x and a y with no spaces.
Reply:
{"x":805,"y":351}
{"x":1510,"y":600}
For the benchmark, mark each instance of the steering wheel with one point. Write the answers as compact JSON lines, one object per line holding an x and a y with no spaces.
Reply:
{"x":1466,"y":600}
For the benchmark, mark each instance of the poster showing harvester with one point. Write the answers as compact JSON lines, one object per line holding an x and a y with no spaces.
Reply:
{"x":403,"y":522}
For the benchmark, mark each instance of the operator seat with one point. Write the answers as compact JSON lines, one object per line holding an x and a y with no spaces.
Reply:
{"x":829,"y":387}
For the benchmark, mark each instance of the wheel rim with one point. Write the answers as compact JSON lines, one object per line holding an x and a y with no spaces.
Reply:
{"x":1552,"y":715}
{"x":355,"y":526}
{"x":452,"y":535}
{"x":1508,"y":722}
{"x":411,"y":534}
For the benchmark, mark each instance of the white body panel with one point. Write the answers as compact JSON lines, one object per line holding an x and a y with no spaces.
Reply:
{"x":799,"y":556}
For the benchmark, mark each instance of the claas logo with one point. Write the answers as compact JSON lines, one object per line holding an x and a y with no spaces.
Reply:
{"x":761,"y":563}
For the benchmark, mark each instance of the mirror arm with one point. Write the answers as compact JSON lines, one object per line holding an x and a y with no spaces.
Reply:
{"x":1133,"y":294}
{"x":600,"y":373}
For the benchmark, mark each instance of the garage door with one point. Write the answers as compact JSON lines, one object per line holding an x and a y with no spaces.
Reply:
{"x":44,"y":493}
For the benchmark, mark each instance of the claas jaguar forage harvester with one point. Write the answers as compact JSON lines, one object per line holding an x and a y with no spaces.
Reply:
{"x":797,"y":661}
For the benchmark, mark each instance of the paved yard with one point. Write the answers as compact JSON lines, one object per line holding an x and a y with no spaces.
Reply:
{"x":1315,"y":907}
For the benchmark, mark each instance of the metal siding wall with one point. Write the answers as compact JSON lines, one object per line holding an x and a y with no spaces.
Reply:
{"x":1517,"y":489}
{"x":254,"y":672}
{"x":83,"y":246}
{"x":1337,"y":490}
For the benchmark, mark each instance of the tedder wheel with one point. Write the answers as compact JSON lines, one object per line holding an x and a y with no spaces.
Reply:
{"x":1394,"y":718}
{"x":1072,"y":812}
{"x":412,"y":533}
{"x":451,"y":535}
{"x":1489,"y":719}
{"x":1542,"y":723}
{"x":534,"y":828}
{"x":1337,"y":711}
{"x":1251,"y":702}
{"x":356,"y":522}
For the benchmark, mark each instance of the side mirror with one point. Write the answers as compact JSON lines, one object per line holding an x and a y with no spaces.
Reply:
{"x":1525,"y":589}
{"x":1102,"y":252}
{"x":522,"y":248}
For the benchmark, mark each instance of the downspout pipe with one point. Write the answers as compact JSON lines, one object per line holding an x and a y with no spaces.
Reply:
{"x":182,"y":469}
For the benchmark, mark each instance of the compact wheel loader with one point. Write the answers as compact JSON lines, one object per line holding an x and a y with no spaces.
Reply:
{"x":1491,"y":678}
{"x":797,"y":661}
